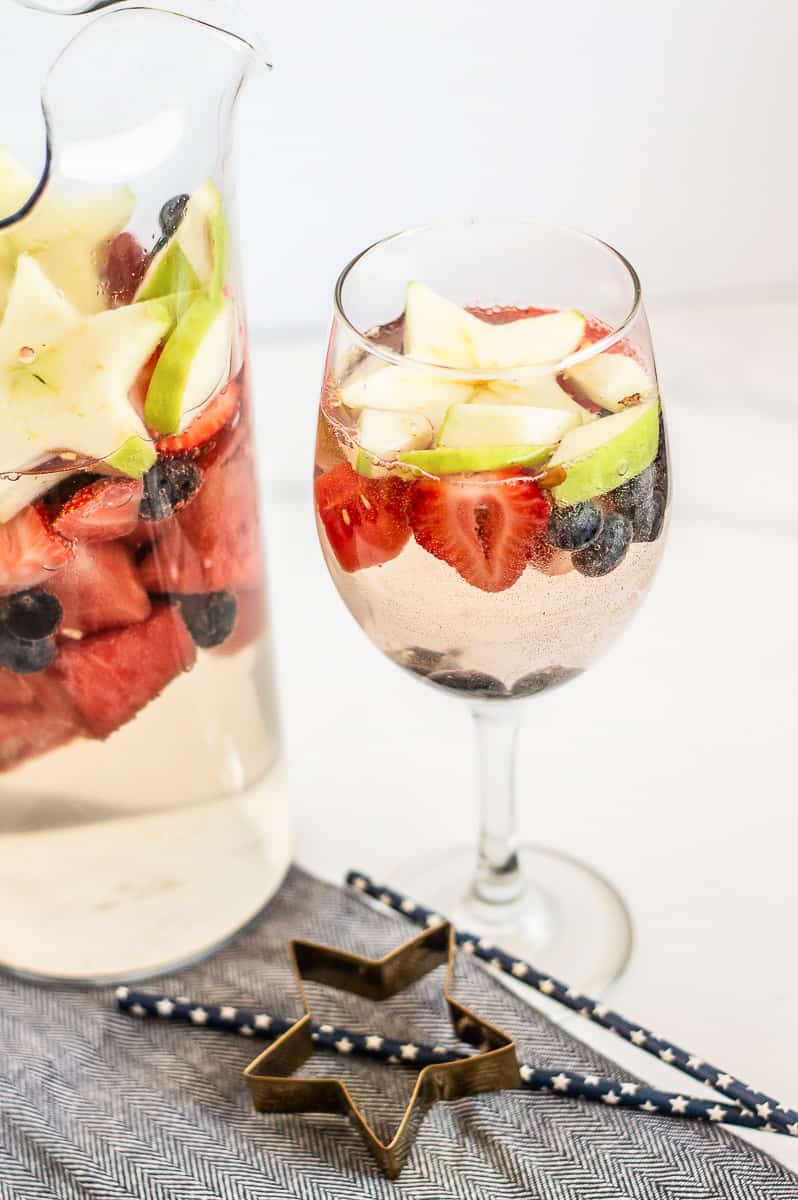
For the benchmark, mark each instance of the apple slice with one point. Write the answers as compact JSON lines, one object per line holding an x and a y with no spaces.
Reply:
{"x":67,"y":236}
{"x":37,"y":315}
{"x":504,"y":425}
{"x":545,"y":392}
{"x":530,"y":340}
{"x":611,"y":381}
{"x":438,"y":331}
{"x":195,"y":256}
{"x":451,"y":460}
{"x":382,"y":436}
{"x":74,"y":396}
{"x":601,"y":456}
{"x":194,"y":365}
{"x":393,"y":389}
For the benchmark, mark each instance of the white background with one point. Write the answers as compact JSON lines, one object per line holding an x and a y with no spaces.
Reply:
{"x":670,"y":130}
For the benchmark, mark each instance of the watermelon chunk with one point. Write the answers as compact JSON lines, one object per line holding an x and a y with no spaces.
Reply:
{"x":100,"y":589}
{"x":35,"y":716}
{"x":111,"y":676}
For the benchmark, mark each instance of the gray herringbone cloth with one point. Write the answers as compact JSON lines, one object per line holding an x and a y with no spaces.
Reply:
{"x":96,"y":1104}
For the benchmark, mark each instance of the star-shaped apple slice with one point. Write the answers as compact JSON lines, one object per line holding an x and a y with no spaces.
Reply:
{"x":67,"y":235}
{"x":65,"y":378}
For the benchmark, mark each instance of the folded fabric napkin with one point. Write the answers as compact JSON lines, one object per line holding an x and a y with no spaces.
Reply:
{"x":94,"y":1105}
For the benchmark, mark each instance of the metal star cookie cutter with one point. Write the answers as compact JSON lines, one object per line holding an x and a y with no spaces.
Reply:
{"x":493,"y":1068}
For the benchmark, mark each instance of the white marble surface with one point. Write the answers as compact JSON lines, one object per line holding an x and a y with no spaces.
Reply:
{"x":680,"y":744}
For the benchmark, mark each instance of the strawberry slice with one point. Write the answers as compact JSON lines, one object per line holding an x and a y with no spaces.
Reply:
{"x":484,"y":525}
{"x":214,"y":543}
{"x":124,"y":268}
{"x":102,"y":511}
{"x":365,"y":519}
{"x":111,"y":676}
{"x":100,"y":589}
{"x":213,"y":418}
{"x":30,"y":550}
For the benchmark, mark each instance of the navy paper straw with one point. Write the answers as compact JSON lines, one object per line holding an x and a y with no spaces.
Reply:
{"x":412,"y":1054}
{"x":770,"y":1113}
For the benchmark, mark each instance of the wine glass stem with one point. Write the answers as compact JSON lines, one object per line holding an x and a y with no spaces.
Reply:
{"x":498,"y":878}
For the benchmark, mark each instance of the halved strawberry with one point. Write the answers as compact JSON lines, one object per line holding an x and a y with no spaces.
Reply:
{"x":102,"y":511}
{"x":213,"y":418}
{"x":483,"y":525}
{"x":213,"y":544}
{"x":365,"y":519}
{"x":124,"y":268}
{"x":100,"y":589}
{"x":30,"y":550}
{"x":111,"y":676}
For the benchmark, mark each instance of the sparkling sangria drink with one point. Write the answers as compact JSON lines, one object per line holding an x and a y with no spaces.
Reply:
{"x":142,"y":815}
{"x":491,"y":535}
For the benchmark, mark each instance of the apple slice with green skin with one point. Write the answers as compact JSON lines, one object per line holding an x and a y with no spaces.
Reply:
{"x":611,"y":381}
{"x":74,"y":396}
{"x":530,"y":340}
{"x":194,"y":365}
{"x":475,"y":424}
{"x":601,"y":456}
{"x":393,"y":389}
{"x":545,"y":392}
{"x":196,"y":254}
{"x":452,"y":460}
{"x":438,"y":331}
{"x":68,"y":237}
{"x":383,"y":435}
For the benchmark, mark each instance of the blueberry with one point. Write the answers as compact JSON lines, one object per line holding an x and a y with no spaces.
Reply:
{"x":25,"y":657}
{"x":541,"y":681}
{"x":172,"y":213}
{"x":609,"y":548}
{"x":649,"y":518}
{"x":474,"y":683}
{"x":636,"y":491}
{"x":574,"y":527}
{"x":30,"y":615}
{"x":209,"y":618}
{"x":168,"y":486}
{"x":419,"y":659}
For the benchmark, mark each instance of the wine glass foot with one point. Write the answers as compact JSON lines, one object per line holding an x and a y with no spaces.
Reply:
{"x":568,"y":922}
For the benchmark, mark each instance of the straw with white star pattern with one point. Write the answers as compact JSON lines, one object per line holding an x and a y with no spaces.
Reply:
{"x":613,"y":1092}
{"x":759,"y":1110}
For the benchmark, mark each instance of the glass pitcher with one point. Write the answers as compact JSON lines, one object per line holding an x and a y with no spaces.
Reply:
{"x":143,"y":814}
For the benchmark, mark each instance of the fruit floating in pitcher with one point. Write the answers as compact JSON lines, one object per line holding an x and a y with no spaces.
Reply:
{"x":129,"y":535}
{"x":551,"y":470}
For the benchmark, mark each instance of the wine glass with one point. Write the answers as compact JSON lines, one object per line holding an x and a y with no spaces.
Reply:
{"x":491,"y":495}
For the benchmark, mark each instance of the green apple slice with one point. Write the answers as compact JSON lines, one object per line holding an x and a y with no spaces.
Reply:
{"x":74,"y":396}
{"x":393,"y":389}
{"x":195,"y":256}
{"x":545,"y":392}
{"x":529,"y":341}
{"x":477,"y":424}
{"x":450,"y":460}
{"x":611,"y":381}
{"x":68,"y":237}
{"x":599,"y":457}
{"x":194,"y":365}
{"x":438,"y":331}
{"x":383,"y":435}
